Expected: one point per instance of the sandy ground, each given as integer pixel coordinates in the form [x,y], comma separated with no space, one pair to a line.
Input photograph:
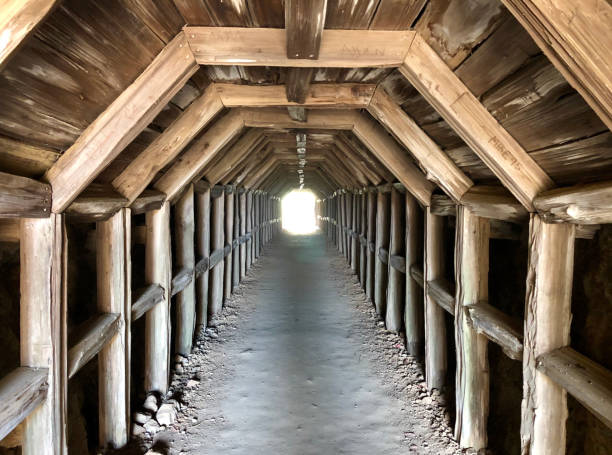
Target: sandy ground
[299,364]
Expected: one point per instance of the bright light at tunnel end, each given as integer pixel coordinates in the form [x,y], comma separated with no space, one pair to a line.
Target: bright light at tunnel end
[298,212]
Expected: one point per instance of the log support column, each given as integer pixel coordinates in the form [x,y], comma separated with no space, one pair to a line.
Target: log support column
[184,230]
[382,241]
[363,246]
[435,323]
[158,270]
[114,289]
[396,279]
[43,253]
[249,228]
[235,243]
[547,327]
[472,378]
[413,312]
[216,246]
[355,234]
[371,245]
[242,233]
[229,236]
[202,213]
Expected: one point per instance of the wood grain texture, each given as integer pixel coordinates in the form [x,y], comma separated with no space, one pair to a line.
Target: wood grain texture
[149,199]
[146,298]
[382,241]
[458,106]
[339,48]
[96,203]
[25,160]
[24,197]
[21,391]
[121,122]
[202,249]
[239,151]
[550,270]
[413,310]
[394,316]
[498,327]
[581,204]
[141,171]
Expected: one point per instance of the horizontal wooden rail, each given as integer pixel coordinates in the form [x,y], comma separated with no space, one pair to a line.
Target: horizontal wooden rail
[398,263]
[94,334]
[585,380]
[417,275]
[201,267]
[21,391]
[181,280]
[145,299]
[383,255]
[498,327]
[441,291]
[216,257]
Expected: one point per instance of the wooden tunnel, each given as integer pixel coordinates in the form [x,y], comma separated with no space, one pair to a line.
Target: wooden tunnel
[180,124]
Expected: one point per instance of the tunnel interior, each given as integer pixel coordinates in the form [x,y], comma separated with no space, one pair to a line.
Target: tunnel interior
[358,226]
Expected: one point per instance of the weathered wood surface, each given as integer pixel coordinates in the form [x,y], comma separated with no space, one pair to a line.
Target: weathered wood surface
[158,269]
[93,335]
[394,316]
[339,48]
[229,237]
[181,280]
[382,241]
[472,374]
[241,149]
[439,167]
[495,203]
[581,204]
[149,199]
[394,158]
[96,203]
[324,119]
[217,236]
[413,311]
[587,381]
[577,41]
[202,245]
[146,298]
[114,296]
[370,239]
[43,259]
[416,273]
[9,230]
[141,171]
[23,197]
[476,126]
[18,21]
[121,122]
[498,327]
[547,327]
[21,391]
[443,293]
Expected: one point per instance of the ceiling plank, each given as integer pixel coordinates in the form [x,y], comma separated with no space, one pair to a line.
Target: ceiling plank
[18,20]
[339,48]
[191,163]
[476,126]
[348,95]
[141,171]
[576,38]
[298,84]
[437,164]
[394,158]
[121,122]
[233,156]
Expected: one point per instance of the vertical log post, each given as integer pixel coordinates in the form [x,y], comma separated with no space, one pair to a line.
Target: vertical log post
[435,324]
[217,236]
[257,231]
[348,204]
[395,288]
[229,235]
[371,245]
[382,241]
[472,378]
[184,230]
[158,269]
[363,214]
[114,288]
[243,231]
[342,216]
[249,229]
[413,313]
[355,235]
[235,242]
[202,210]
[43,253]
[547,327]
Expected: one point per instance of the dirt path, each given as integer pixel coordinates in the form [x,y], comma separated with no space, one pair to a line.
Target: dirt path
[301,366]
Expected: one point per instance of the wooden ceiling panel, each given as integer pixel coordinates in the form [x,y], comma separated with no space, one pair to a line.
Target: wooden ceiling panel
[232,13]
[350,14]
[161,16]
[270,13]
[195,12]
[396,14]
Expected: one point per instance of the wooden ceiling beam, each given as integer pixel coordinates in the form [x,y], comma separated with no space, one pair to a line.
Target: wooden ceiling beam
[23,197]
[18,20]
[233,156]
[167,146]
[428,73]
[341,95]
[121,122]
[304,23]
[576,38]
[437,164]
[350,153]
[189,165]
[324,119]
[339,48]
[394,158]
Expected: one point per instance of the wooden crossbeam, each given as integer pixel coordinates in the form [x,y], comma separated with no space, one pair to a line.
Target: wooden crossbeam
[328,119]
[18,20]
[428,73]
[439,167]
[576,38]
[121,122]
[145,299]
[498,327]
[96,203]
[339,48]
[238,152]
[23,197]
[141,171]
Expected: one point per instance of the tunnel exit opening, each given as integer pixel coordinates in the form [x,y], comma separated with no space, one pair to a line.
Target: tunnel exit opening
[298,212]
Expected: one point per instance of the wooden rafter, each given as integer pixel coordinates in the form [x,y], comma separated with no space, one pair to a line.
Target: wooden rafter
[121,122]
[230,159]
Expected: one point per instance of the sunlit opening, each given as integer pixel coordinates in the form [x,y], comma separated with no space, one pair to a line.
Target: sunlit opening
[299,212]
